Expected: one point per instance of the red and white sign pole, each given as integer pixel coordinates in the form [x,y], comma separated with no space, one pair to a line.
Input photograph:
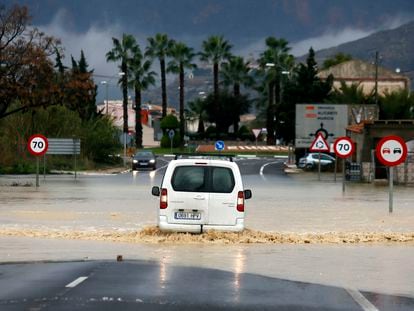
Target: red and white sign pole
[344,147]
[37,146]
[391,151]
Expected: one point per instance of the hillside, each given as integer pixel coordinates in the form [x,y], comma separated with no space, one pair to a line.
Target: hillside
[395,47]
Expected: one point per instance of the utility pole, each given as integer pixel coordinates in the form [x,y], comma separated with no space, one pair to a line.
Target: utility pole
[376,78]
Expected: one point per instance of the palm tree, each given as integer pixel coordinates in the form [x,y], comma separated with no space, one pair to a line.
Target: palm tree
[123,51]
[237,73]
[182,57]
[215,49]
[159,47]
[197,111]
[277,56]
[141,78]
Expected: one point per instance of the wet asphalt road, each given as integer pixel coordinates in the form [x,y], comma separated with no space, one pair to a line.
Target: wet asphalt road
[143,285]
[157,285]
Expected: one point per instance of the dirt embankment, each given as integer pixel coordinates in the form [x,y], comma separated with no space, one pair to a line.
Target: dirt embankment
[153,235]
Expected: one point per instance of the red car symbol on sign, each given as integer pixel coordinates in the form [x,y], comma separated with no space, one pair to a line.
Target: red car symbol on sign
[386,150]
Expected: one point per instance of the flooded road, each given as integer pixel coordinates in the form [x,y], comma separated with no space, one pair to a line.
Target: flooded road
[281,203]
[298,228]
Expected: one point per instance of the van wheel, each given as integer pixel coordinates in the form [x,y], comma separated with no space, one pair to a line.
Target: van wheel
[309,166]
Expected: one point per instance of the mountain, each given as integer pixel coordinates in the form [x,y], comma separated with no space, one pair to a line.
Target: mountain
[395,47]
[243,22]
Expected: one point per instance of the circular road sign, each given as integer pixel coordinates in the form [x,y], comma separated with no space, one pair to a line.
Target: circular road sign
[37,145]
[344,147]
[171,134]
[391,150]
[219,145]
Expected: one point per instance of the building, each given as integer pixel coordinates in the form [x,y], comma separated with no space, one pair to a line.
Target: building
[362,73]
[149,115]
[367,134]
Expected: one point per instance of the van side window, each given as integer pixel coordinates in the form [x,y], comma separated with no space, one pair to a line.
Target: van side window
[222,180]
[189,179]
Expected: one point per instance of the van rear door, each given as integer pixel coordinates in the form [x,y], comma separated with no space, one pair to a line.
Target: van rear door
[222,204]
[188,198]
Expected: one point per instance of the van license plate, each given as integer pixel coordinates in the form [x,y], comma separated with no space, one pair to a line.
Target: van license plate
[187,215]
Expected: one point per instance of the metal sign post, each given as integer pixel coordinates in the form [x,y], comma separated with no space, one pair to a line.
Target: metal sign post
[319,166]
[391,189]
[256,133]
[343,176]
[344,147]
[336,166]
[37,146]
[37,172]
[171,134]
[319,144]
[391,151]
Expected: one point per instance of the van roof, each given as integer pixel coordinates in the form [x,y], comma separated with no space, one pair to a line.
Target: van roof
[211,156]
[202,161]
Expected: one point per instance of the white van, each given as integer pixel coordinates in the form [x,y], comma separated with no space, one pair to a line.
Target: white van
[198,194]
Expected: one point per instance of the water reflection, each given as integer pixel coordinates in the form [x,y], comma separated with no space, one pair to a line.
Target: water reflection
[239,269]
[163,272]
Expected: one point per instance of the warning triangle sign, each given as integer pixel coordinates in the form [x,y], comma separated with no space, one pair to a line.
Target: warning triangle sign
[319,144]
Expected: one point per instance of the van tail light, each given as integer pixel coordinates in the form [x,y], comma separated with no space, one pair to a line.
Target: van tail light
[240,201]
[163,199]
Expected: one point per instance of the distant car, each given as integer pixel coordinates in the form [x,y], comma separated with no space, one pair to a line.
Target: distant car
[310,161]
[386,150]
[397,150]
[144,159]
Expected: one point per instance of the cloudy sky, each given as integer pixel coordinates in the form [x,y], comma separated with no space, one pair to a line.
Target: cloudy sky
[90,24]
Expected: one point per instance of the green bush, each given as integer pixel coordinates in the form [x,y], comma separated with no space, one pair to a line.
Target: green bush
[166,142]
[169,122]
[211,132]
[245,134]
[99,139]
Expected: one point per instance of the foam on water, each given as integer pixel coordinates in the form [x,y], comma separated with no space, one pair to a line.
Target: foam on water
[152,235]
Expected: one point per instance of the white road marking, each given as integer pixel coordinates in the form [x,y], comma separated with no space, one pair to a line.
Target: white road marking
[264,165]
[361,300]
[77,281]
[160,168]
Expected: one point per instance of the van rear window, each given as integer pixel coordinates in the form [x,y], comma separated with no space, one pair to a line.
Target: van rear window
[203,179]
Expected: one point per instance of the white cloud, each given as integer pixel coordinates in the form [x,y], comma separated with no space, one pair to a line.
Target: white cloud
[95,43]
[328,40]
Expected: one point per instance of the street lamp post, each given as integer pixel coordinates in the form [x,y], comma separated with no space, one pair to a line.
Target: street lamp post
[106,93]
[121,74]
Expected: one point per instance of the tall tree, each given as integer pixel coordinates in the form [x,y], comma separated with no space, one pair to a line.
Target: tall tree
[304,87]
[141,78]
[215,49]
[182,58]
[27,78]
[123,52]
[227,111]
[159,47]
[309,87]
[236,72]
[274,61]
[80,89]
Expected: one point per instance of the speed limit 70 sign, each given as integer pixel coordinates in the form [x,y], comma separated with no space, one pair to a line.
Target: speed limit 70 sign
[343,147]
[37,145]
